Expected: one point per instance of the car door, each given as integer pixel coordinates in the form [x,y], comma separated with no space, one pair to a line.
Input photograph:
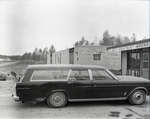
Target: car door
[104,85]
[79,84]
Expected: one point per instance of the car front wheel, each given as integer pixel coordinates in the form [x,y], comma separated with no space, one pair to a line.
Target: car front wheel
[57,99]
[137,97]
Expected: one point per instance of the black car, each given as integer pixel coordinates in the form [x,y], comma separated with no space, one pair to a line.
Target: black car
[59,84]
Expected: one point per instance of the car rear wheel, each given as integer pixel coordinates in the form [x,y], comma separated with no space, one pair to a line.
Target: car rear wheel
[57,99]
[137,97]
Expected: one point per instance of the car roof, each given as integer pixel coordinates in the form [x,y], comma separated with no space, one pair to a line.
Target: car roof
[67,66]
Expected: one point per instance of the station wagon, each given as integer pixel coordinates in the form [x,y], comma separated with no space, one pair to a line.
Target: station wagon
[59,84]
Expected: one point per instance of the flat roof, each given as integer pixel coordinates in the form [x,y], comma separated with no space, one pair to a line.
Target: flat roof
[104,46]
[131,43]
[73,66]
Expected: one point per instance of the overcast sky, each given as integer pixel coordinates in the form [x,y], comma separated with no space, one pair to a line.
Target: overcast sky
[27,24]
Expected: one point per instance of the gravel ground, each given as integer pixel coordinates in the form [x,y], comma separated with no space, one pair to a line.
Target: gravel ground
[85,110]
[101,110]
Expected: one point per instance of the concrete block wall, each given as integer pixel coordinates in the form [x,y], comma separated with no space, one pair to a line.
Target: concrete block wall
[84,55]
[110,60]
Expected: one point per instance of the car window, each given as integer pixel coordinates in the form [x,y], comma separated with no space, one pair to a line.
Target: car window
[79,75]
[101,75]
[50,75]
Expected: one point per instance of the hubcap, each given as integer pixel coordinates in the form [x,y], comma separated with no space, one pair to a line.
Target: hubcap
[57,99]
[138,97]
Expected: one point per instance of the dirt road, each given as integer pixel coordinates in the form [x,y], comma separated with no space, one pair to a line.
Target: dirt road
[7,63]
[102,110]
[18,66]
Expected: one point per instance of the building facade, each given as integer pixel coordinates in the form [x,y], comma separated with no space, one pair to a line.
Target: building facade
[135,58]
[88,55]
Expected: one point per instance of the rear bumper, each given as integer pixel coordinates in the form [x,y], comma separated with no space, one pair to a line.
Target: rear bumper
[16,98]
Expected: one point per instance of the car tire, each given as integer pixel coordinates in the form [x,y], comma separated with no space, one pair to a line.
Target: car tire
[138,97]
[57,99]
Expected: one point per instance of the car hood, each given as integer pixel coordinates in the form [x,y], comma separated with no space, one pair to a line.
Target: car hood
[132,79]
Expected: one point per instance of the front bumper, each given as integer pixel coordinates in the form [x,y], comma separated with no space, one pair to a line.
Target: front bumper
[16,98]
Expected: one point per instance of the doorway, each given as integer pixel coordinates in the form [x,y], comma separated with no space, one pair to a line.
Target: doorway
[145,65]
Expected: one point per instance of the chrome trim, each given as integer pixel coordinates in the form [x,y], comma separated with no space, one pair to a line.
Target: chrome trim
[31,77]
[90,74]
[97,99]
[137,89]
[68,78]
[47,80]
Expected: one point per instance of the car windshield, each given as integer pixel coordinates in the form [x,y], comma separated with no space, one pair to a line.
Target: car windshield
[113,75]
